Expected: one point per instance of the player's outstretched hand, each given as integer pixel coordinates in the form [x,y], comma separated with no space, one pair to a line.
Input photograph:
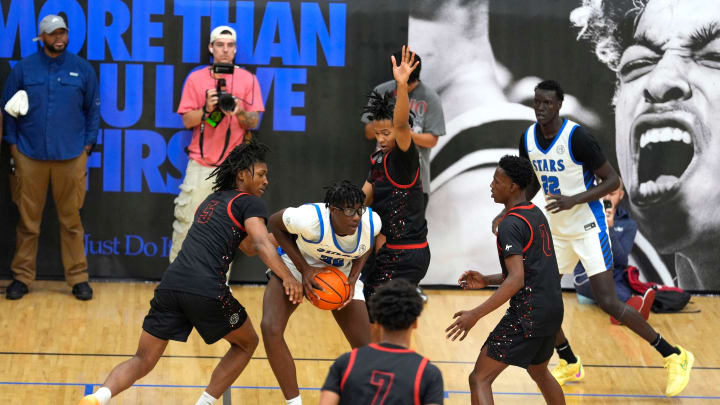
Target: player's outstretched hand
[464,321]
[559,202]
[293,289]
[472,280]
[402,70]
[308,281]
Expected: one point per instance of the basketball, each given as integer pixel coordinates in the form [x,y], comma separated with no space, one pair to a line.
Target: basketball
[336,291]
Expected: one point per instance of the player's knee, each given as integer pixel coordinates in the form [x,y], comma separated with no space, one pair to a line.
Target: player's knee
[252,342]
[478,378]
[270,328]
[609,304]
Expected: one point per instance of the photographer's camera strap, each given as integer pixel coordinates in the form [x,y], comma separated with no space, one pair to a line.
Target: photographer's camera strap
[202,142]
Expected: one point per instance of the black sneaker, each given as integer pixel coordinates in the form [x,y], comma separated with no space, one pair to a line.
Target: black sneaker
[16,290]
[82,291]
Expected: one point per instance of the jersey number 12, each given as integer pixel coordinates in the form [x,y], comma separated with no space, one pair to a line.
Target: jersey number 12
[551,184]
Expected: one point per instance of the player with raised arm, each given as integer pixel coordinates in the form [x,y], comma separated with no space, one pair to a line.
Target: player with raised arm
[393,187]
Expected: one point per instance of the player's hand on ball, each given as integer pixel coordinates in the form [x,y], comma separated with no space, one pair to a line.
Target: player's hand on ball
[293,289]
[464,321]
[308,280]
[472,280]
[559,203]
[351,287]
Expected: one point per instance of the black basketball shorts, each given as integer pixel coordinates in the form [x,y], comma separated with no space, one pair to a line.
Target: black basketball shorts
[509,344]
[409,264]
[173,314]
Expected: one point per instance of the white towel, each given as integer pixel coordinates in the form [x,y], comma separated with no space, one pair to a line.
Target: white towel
[18,104]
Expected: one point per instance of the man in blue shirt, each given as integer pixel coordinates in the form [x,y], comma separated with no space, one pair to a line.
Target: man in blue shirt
[50,145]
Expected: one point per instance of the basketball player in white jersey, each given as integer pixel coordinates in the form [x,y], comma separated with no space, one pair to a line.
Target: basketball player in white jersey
[567,160]
[340,233]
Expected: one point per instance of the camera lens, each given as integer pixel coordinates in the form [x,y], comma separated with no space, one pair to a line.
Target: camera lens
[226,102]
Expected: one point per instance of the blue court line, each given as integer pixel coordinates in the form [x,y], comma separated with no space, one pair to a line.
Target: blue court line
[712,368]
[89,390]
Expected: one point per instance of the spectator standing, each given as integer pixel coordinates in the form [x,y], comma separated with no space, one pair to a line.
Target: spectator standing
[216,131]
[49,145]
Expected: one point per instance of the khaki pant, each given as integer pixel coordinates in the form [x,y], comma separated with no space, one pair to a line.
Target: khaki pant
[29,186]
[193,191]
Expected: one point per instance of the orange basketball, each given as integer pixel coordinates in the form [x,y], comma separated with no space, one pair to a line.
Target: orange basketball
[335,293]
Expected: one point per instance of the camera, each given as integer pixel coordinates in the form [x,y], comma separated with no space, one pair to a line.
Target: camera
[607,204]
[225,100]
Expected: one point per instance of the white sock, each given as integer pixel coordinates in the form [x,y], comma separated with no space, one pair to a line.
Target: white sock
[294,401]
[103,395]
[205,399]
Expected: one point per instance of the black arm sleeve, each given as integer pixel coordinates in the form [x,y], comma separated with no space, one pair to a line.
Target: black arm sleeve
[513,235]
[335,375]
[403,165]
[586,150]
[522,150]
[433,391]
[249,206]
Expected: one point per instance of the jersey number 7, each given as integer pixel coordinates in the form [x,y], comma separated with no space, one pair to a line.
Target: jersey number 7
[383,381]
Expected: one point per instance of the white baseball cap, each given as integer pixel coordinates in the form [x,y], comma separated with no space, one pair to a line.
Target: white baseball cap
[217,33]
[50,23]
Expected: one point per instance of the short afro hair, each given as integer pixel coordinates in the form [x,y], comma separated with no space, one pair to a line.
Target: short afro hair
[551,85]
[396,305]
[519,170]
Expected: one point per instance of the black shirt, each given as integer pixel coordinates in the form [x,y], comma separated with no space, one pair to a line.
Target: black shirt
[524,231]
[584,147]
[398,194]
[385,374]
[211,243]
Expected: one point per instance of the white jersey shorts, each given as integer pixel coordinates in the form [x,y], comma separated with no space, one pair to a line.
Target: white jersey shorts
[593,251]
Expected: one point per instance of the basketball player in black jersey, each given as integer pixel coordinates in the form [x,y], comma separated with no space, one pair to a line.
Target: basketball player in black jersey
[525,336]
[393,188]
[388,372]
[193,292]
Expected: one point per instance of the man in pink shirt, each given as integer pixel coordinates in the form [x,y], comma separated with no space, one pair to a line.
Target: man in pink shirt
[210,143]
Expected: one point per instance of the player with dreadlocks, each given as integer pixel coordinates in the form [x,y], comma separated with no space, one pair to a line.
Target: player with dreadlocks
[393,187]
[193,292]
[340,233]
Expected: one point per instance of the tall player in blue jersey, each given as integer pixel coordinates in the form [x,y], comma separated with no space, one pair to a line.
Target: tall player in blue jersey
[339,232]
[567,160]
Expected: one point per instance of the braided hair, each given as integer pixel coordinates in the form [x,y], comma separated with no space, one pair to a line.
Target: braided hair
[396,305]
[382,107]
[343,194]
[519,170]
[243,157]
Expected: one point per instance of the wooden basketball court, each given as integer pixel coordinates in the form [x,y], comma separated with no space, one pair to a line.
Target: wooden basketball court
[55,349]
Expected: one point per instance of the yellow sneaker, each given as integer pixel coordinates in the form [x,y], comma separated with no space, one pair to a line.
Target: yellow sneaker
[565,372]
[678,371]
[89,400]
